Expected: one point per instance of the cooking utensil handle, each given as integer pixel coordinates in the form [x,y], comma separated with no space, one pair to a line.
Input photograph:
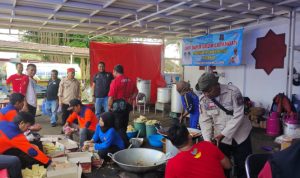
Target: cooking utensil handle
[137,136]
[110,155]
[130,146]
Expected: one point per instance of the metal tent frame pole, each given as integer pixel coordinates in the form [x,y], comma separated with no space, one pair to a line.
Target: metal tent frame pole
[289,88]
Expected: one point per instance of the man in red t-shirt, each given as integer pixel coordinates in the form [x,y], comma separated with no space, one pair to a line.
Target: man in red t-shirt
[203,159]
[19,80]
[121,88]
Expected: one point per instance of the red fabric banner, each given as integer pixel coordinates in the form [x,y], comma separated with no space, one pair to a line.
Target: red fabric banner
[139,61]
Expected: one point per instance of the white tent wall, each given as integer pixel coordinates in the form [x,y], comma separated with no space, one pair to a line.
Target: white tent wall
[260,86]
[255,83]
[296,89]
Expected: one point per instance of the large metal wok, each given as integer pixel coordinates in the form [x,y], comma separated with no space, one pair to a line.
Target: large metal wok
[139,159]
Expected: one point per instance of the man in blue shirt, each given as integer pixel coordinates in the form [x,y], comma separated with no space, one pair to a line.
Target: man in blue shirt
[52,98]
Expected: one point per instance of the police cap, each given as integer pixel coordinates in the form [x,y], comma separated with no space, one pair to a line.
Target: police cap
[206,80]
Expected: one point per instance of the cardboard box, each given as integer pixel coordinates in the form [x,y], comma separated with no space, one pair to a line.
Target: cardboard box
[52,150]
[84,158]
[67,144]
[74,171]
[52,138]
[56,154]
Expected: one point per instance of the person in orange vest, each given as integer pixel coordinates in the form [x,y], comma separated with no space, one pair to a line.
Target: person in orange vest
[13,141]
[87,120]
[16,103]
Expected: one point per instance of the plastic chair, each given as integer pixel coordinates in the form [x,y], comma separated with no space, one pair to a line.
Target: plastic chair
[141,101]
[254,164]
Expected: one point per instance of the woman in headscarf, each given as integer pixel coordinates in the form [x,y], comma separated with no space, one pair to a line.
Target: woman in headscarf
[106,139]
[190,102]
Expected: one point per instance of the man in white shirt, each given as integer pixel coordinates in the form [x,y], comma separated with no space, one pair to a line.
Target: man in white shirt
[31,99]
[223,120]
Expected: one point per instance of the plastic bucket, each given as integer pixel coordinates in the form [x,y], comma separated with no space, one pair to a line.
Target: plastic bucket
[155,140]
[273,124]
[140,127]
[132,134]
[291,130]
[150,130]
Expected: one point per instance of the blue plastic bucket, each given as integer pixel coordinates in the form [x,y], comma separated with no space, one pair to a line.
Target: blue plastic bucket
[155,140]
[150,130]
[132,134]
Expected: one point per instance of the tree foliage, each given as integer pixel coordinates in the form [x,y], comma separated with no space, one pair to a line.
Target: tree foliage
[63,39]
[72,40]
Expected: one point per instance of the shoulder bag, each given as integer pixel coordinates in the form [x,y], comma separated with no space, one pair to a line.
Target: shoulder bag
[120,105]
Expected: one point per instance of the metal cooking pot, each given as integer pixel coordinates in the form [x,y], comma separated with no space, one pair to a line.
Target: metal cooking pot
[139,159]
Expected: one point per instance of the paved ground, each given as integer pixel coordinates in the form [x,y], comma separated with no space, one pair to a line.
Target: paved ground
[259,140]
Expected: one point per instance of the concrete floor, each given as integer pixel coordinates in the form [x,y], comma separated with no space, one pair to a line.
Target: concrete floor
[259,140]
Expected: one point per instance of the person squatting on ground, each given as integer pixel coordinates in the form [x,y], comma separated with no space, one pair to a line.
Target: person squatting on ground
[106,139]
[87,120]
[13,141]
[16,103]
[203,159]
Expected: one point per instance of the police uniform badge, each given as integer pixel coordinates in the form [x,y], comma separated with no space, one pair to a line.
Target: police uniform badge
[211,108]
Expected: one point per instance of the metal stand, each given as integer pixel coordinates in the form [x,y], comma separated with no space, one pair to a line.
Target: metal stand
[162,107]
[174,115]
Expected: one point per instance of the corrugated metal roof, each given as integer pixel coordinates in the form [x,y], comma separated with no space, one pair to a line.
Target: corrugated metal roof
[158,18]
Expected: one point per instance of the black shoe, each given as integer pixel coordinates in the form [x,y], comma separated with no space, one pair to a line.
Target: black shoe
[53,125]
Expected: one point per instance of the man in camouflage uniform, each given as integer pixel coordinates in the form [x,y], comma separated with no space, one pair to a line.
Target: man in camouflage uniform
[228,126]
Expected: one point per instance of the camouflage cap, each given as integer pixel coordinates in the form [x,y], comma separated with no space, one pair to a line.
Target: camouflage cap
[206,80]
